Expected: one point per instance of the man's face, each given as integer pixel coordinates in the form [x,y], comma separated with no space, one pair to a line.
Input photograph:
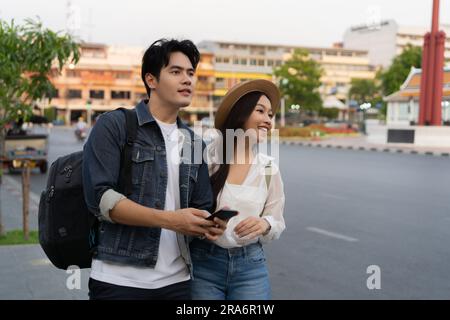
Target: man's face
[176,81]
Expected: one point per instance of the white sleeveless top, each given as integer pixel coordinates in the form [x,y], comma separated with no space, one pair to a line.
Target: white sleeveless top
[251,199]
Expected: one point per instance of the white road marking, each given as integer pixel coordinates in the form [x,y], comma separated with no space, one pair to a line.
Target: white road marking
[40,262]
[332,234]
[329,195]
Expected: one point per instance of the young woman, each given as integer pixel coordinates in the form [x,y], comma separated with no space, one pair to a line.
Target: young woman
[234,266]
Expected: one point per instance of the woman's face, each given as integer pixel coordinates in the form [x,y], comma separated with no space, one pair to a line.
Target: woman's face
[260,120]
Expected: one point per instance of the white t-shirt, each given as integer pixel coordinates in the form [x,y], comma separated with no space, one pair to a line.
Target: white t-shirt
[170,267]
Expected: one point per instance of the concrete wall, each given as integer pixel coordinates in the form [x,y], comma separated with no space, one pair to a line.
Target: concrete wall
[424,136]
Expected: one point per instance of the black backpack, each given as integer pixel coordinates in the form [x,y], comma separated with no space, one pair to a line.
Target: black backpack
[67,230]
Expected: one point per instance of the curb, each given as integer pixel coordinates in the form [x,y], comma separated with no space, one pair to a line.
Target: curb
[367,148]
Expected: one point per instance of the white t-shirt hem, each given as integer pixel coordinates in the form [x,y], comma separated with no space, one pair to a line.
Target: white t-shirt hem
[137,284]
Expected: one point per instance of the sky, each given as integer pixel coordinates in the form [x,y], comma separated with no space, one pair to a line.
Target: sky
[285,22]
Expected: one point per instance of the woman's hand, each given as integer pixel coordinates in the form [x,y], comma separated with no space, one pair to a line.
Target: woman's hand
[252,227]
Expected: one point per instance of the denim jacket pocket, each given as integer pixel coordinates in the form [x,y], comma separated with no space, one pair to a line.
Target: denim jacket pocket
[193,177]
[142,159]
[193,174]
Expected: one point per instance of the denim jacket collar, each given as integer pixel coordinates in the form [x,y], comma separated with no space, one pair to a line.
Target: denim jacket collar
[144,115]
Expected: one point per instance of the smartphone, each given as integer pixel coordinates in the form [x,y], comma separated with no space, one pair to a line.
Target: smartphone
[223,214]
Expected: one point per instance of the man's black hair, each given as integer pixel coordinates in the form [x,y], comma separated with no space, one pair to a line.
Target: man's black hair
[157,56]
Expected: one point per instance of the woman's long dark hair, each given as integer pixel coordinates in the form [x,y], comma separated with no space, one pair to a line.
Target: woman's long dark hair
[236,119]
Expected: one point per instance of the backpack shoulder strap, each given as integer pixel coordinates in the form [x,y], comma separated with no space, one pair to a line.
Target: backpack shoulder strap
[131,125]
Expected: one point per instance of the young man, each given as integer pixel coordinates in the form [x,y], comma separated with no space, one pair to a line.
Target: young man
[142,250]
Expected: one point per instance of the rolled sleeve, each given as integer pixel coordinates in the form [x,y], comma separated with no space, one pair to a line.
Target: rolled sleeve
[108,201]
[101,163]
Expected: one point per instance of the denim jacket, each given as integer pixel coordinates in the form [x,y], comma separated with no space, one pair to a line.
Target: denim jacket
[130,245]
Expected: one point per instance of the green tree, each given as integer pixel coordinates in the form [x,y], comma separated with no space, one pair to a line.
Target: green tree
[363,90]
[28,53]
[396,74]
[299,80]
[329,113]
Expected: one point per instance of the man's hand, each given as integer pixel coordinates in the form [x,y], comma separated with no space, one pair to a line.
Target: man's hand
[217,230]
[251,227]
[191,222]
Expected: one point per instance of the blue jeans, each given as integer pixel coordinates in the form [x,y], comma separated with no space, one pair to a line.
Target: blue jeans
[229,274]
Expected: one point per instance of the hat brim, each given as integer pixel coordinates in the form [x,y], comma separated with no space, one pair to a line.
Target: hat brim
[238,91]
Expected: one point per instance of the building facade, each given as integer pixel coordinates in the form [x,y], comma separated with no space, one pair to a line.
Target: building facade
[235,62]
[108,77]
[105,78]
[387,39]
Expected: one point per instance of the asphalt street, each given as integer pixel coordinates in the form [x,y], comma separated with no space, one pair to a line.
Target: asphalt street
[346,212]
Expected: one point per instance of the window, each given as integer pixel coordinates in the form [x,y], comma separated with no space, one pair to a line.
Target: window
[226,60]
[96,94]
[403,112]
[74,94]
[55,94]
[278,63]
[120,94]
[244,62]
[235,61]
[93,52]
[270,62]
[97,73]
[219,59]
[257,50]
[123,75]
[260,62]
[253,62]
[73,73]
[220,83]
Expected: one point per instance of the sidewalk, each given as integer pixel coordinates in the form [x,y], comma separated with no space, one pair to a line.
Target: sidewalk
[361,143]
[11,204]
[25,271]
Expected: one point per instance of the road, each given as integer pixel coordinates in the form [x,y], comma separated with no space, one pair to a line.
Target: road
[347,210]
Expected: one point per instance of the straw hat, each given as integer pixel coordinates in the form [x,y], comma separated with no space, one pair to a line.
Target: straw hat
[238,91]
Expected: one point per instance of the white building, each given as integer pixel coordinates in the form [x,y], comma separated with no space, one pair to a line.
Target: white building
[387,39]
